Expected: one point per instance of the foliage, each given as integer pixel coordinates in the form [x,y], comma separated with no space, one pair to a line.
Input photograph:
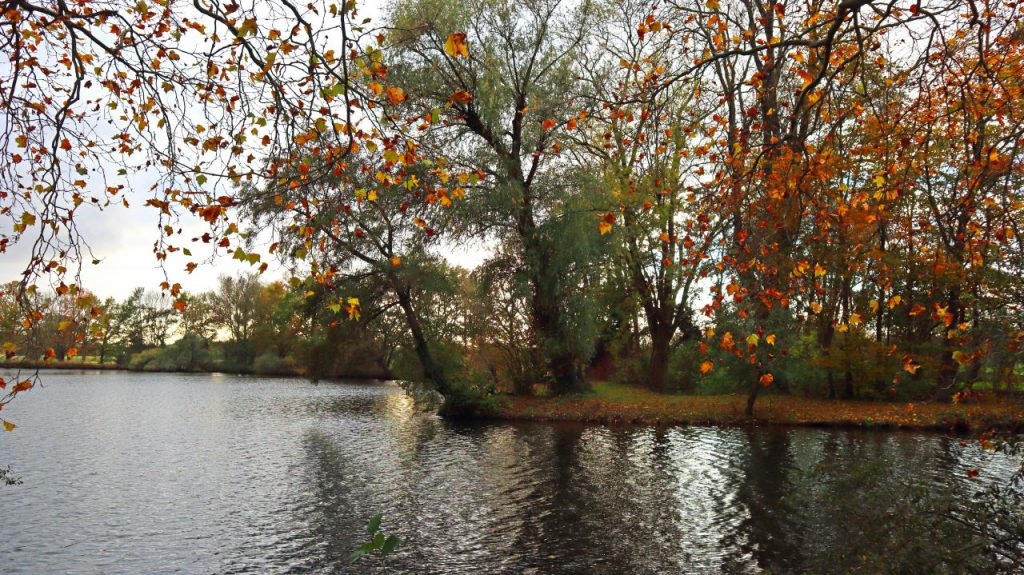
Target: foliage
[380,544]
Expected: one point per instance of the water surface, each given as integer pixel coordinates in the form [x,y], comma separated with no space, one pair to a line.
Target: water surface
[162,473]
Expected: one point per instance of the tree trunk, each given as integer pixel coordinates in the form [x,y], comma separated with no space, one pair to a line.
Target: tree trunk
[755,389]
[432,372]
[657,370]
[547,323]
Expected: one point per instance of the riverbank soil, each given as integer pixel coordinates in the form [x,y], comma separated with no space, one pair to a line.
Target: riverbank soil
[616,403]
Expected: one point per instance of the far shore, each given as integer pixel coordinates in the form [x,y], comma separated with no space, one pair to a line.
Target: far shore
[74,366]
[610,403]
[617,404]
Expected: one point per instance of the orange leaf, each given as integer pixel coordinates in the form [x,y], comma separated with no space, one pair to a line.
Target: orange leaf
[706,366]
[395,95]
[461,97]
[766,380]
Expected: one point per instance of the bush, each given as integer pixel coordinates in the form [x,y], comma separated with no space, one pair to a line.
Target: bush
[190,353]
[267,363]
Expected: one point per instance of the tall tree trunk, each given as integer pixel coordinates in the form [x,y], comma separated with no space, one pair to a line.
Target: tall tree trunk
[657,370]
[432,372]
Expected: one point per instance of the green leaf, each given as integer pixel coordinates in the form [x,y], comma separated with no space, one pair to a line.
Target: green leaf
[390,544]
[374,525]
[364,549]
[378,540]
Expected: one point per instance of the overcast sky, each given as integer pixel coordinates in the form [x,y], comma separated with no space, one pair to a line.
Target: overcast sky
[123,240]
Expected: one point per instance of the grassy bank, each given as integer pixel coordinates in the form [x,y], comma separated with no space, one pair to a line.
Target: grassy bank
[621,404]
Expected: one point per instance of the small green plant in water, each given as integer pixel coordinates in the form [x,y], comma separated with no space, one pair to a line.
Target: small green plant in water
[379,545]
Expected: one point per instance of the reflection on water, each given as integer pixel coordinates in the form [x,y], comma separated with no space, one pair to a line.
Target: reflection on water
[156,473]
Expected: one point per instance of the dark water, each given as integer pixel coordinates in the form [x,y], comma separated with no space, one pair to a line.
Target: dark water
[140,473]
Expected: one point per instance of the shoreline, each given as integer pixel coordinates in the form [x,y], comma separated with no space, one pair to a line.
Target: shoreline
[612,404]
[69,366]
[623,405]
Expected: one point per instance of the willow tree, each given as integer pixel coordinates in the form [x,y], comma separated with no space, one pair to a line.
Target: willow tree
[500,76]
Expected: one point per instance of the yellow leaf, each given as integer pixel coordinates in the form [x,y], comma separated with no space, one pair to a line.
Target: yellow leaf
[855,319]
[372,195]
[753,339]
[770,339]
[604,228]
[815,307]
[894,301]
[873,304]
[9,426]
[456,46]
[706,366]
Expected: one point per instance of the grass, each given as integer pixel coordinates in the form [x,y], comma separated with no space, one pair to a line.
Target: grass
[624,404]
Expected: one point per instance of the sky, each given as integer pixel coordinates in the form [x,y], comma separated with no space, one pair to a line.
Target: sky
[122,239]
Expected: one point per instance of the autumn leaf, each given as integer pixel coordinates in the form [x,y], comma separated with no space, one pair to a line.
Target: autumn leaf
[909,366]
[604,227]
[766,380]
[727,341]
[72,352]
[353,308]
[396,261]
[395,95]
[456,47]
[9,426]
[547,124]
[461,97]
[706,366]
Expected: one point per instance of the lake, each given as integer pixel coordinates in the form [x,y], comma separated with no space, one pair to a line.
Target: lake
[171,473]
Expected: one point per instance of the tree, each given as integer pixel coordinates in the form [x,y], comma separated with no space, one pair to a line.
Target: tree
[235,306]
[501,77]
